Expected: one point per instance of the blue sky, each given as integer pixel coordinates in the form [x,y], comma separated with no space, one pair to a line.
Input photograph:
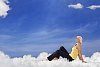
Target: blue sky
[35,26]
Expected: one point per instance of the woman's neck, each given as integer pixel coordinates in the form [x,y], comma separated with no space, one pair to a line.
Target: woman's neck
[78,42]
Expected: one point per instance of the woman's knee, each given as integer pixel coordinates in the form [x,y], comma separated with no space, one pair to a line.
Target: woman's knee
[57,51]
[61,47]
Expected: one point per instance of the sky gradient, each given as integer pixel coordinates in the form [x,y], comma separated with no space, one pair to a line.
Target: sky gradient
[35,26]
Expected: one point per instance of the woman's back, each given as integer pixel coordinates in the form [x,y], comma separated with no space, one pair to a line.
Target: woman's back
[74,52]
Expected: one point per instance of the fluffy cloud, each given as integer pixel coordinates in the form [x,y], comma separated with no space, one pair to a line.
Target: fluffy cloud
[4,8]
[40,61]
[93,7]
[76,6]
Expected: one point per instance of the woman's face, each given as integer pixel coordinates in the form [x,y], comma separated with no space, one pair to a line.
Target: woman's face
[78,40]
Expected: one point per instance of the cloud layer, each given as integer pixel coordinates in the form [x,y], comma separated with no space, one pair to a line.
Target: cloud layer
[4,8]
[40,61]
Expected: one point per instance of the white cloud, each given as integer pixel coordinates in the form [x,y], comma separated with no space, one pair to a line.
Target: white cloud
[40,61]
[4,8]
[93,7]
[76,6]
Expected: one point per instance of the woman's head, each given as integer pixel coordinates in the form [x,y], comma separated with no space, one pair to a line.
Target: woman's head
[79,39]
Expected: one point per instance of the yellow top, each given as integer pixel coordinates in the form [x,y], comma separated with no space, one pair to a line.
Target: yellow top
[74,53]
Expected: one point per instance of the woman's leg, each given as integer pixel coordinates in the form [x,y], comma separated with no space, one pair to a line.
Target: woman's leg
[63,49]
[61,52]
[65,55]
[54,55]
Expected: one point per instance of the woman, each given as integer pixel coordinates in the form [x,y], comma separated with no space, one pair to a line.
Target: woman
[76,51]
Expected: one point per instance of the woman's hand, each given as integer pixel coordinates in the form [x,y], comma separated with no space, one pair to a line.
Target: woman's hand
[84,61]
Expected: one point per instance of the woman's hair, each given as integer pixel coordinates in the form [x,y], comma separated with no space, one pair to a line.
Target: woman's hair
[80,37]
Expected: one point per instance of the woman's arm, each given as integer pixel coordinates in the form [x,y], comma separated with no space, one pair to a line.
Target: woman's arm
[80,53]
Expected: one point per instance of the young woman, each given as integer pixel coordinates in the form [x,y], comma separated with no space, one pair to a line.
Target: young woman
[76,51]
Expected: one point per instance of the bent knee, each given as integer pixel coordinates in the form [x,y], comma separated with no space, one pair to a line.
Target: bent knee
[61,47]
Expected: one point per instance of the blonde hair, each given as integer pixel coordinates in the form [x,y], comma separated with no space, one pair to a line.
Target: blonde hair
[80,37]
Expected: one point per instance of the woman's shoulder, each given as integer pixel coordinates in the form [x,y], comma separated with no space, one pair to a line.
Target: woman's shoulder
[78,46]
